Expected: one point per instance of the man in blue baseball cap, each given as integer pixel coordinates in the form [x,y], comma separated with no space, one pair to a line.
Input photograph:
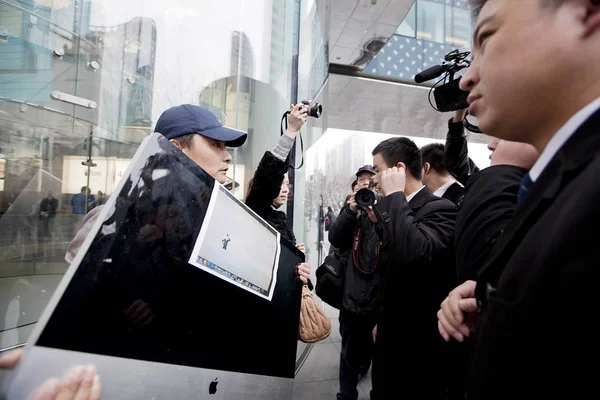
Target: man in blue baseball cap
[199,134]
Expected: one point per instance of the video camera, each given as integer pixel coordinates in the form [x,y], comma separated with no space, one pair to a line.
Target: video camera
[449,96]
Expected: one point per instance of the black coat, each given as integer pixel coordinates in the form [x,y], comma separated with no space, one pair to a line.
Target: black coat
[455,193]
[536,334]
[489,204]
[266,187]
[422,271]
[362,289]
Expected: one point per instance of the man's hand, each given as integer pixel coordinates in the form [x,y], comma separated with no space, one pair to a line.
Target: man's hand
[352,204]
[139,313]
[9,359]
[458,314]
[79,383]
[296,119]
[393,180]
[459,115]
[301,247]
[303,272]
[514,153]
[371,213]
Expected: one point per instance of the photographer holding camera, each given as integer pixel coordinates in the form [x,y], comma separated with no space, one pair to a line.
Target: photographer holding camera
[364,257]
[419,230]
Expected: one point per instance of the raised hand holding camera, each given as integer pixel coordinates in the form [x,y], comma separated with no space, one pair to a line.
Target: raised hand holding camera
[393,180]
[296,118]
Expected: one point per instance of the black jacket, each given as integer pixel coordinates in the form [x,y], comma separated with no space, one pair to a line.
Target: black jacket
[455,193]
[536,335]
[362,291]
[265,187]
[489,204]
[456,153]
[422,271]
[48,206]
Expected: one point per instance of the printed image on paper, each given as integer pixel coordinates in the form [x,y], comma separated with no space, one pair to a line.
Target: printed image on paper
[236,245]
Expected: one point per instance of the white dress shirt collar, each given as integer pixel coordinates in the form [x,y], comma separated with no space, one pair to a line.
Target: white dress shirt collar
[561,137]
[412,195]
[441,191]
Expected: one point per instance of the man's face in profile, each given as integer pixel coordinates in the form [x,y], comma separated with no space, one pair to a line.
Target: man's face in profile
[523,54]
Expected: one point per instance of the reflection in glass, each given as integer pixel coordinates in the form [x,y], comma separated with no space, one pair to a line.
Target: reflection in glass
[134,58]
[430,21]
[408,27]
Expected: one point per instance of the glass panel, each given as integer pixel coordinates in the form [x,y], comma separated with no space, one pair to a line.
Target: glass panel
[430,21]
[408,27]
[459,28]
[313,67]
[126,62]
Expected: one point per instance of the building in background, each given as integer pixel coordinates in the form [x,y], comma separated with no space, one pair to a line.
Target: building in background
[430,30]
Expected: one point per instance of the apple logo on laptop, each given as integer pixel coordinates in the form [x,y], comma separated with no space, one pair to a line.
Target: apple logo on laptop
[212,388]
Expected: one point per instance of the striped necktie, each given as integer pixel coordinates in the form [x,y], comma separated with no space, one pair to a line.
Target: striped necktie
[524,187]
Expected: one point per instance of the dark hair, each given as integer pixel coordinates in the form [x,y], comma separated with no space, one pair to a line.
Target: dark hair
[477,5]
[434,155]
[83,188]
[354,184]
[401,149]
[185,141]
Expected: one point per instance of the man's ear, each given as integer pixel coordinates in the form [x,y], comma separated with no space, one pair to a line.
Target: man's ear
[176,144]
[426,168]
[592,17]
[401,165]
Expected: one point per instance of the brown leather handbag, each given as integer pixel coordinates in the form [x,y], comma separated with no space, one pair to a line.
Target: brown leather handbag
[314,324]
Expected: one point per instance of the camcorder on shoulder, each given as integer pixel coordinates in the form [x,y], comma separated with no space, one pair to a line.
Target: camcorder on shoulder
[449,96]
[366,197]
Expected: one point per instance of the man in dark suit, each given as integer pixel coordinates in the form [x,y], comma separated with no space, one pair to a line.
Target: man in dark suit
[436,176]
[535,301]
[48,208]
[419,228]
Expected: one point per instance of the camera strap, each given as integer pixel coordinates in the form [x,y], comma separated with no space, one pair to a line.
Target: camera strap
[358,235]
[284,120]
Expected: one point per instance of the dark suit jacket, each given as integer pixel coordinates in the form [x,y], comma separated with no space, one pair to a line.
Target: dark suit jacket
[536,335]
[455,193]
[489,204]
[422,271]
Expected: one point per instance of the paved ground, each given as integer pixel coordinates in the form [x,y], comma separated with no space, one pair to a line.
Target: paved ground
[318,378]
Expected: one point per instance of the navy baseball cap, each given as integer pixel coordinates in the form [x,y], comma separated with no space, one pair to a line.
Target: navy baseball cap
[366,168]
[188,118]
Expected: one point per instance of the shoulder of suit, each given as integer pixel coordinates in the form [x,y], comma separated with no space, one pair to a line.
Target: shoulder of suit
[436,203]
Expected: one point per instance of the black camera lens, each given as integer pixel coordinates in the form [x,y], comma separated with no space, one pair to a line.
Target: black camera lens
[365,197]
[314,109]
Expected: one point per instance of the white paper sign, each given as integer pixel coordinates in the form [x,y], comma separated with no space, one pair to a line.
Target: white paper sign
[238,246]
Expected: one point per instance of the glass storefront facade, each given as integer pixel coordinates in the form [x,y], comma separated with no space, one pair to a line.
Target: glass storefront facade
[82,82]
[430,30]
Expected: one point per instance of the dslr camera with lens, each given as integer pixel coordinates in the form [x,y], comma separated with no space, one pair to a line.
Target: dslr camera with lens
[314,109]
[366,197]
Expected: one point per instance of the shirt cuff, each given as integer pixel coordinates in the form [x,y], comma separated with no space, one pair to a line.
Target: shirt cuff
[283,147]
